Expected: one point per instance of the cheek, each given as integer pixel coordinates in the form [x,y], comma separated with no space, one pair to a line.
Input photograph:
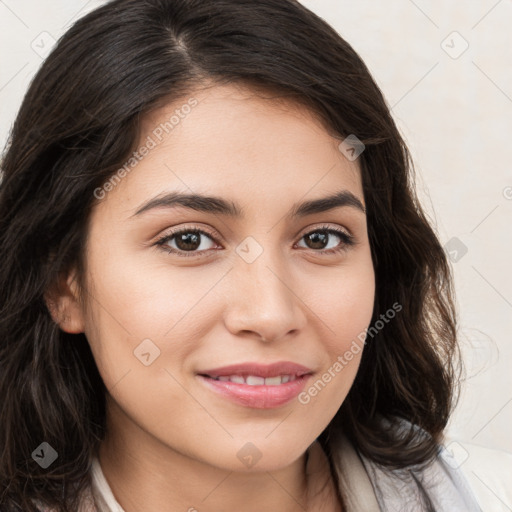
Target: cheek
[346,311]
[144,376]
[353,311]
[146,299]
[345,305]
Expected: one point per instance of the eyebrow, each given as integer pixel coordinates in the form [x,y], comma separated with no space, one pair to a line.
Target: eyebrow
[218,205]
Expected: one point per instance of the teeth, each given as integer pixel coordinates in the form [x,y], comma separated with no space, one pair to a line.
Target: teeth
[250,380]
[253,380]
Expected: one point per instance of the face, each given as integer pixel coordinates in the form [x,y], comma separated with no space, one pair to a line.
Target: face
[211,320]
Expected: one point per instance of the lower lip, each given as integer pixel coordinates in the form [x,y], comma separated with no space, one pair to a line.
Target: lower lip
[257,397]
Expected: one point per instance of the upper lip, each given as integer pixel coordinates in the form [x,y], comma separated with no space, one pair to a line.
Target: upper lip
[259,370]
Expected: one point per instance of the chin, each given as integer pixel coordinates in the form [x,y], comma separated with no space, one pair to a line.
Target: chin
[258,454]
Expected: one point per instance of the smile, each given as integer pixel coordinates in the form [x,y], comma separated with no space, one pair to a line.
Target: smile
[255,385]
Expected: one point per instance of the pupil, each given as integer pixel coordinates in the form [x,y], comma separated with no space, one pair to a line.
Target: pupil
[186,239]
[318,238]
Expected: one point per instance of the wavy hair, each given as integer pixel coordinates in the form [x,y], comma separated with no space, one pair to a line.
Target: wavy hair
[79,121]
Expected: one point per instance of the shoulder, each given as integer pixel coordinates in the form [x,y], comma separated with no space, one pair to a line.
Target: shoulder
[488,471]
[437,485]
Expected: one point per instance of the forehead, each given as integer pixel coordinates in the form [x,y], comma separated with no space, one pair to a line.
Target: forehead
[230,141]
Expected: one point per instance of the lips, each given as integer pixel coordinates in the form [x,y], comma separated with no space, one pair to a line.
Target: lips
[255,385]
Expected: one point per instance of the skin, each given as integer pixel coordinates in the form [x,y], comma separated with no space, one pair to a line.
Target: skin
[171,440]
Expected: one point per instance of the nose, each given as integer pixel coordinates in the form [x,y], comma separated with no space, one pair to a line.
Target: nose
[263,299]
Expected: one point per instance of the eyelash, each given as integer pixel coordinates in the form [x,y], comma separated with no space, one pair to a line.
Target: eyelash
[347,241]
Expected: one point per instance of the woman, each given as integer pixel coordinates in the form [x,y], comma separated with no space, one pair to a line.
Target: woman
[219,291]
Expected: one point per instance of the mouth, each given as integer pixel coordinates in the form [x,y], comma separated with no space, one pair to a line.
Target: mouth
[255,380]
[257,386]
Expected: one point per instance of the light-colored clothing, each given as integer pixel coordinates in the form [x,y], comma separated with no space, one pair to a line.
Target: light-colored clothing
[366,486]
[372,488]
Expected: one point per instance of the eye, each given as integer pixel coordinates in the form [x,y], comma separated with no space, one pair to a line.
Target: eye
[320,238]
[189,242]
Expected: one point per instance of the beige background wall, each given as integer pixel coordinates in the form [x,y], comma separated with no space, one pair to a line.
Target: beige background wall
[454,107]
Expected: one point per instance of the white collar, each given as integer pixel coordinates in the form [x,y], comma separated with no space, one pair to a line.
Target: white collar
[103,496]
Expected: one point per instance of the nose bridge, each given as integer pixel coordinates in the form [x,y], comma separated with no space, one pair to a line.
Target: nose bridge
[262,298]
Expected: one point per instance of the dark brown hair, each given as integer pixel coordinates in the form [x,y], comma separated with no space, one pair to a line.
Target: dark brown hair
[78,123]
